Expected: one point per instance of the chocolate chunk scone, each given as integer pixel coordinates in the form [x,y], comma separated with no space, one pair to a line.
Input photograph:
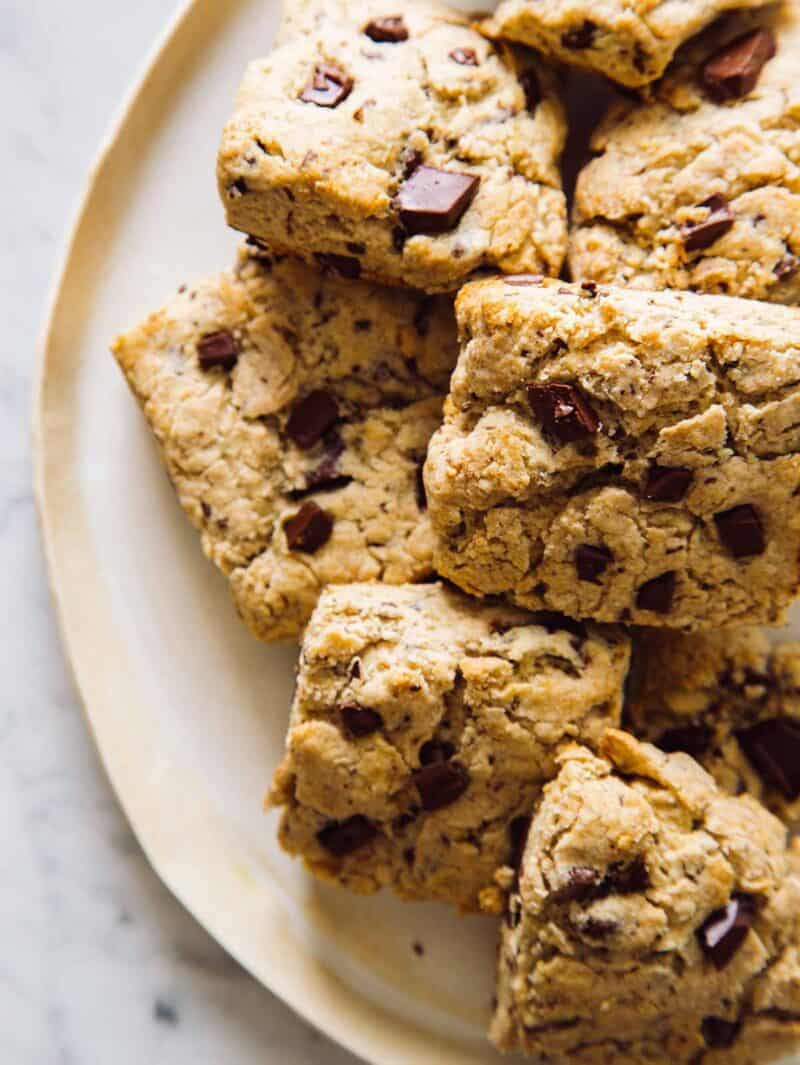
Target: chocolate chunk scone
[629,43]
[401,146]
[656,920]
[423,727]
[698,187]
[294,410]
[621,455]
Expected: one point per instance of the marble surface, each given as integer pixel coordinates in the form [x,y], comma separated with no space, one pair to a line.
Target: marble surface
[98,963]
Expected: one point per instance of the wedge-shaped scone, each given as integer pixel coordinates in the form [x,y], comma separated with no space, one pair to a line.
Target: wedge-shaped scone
[699,187]
[424,726]
[621,455]
[631,43]
[400,146]
[293,411]
[656,920]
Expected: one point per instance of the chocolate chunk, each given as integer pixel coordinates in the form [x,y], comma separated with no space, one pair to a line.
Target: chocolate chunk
[434,201]
[667,484]
[465,56]
[591,561]
[523,280]
[391,29]
[598,928]
[440,784]
[327,476]
[360,721]
[422,495]
[734,70]
[435,751]
[563,412]
[787,267]
[722,934]
[627,878]
[217,351]
[518,834]
[741,531]
[582,883]
[719,1033]
[341,838]
[773,747]
[719,221]
[311,418]
[657,594]
[529,81]
[327,87]
[580,37]
[589,288]
[691,739]
[309,529]
[344,265]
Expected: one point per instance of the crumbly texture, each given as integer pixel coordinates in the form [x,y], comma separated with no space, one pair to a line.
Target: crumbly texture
[656,165]
[604,956]
[674,503]
[461,708]
[381,356]
[323,180]
[629,42]
[731,701]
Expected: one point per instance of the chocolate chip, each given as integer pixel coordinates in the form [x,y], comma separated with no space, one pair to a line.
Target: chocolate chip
[217,351]
[722,934]
[529,81]
[691,739]
[589,288]
[582,883]
[327,87]
[563,412]
[465,56]
[518,833]
[719,221]
[311,418]
[341,838]
[434,201]
[344,265]
[773,747]
[667,484]
[734,70]
[580,37]
[523,280]
[627,878]
[309,529]
[657,594]
[360,721]
[741,531]
[719,1033]
[598,928]
[591,561]
[435,751]
[787,267]
[440,784]
[326,477]
[391,29]
[422,495]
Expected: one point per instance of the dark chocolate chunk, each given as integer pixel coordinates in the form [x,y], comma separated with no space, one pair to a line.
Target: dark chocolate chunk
[787,267]
[309,529]
[598,928]
[773,747]
[719,1033]
[741,531]
[328,86]
[434,201]
[419,485]
[391,29]
[657,594]
[436,751]
[591,561]
[523,280]
[627,878]
[582,884]
[341,838]
[667,484]
[719,221]
[217,351]
[691,739]
[465,56]
[360,721]
[440,784]
[563,412]
[311,418]
[326,477]
[344,265]
[580,37]
[734,70]
[530,86]
[724,931]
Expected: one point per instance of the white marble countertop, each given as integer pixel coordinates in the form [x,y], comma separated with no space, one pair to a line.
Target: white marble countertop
[98,964]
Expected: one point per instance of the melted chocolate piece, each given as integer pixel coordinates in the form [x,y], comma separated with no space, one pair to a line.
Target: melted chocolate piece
[441,784]
[341,838]
[218,351]
[667,484]
[311,418]
[328,86]
[390,29]
[344,265]
[719,221]
[773,747]
[360,721]
[724,931]
[734,70]
[591,561]
[741,531]
[563,412]
[719,1033]
[580,37]
[309,529]
[657,594]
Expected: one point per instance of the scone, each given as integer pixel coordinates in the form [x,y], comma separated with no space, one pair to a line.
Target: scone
[402,147]
[293,411]
[656,920]
[621,455]
[423,727]
[728,699]
[631,43]
[699,187]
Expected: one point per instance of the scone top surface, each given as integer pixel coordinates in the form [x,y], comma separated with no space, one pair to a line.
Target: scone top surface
[621,455]
[656,918]
[425,152]
[423,727]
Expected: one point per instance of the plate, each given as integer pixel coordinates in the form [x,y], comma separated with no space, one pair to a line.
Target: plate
[189,713]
